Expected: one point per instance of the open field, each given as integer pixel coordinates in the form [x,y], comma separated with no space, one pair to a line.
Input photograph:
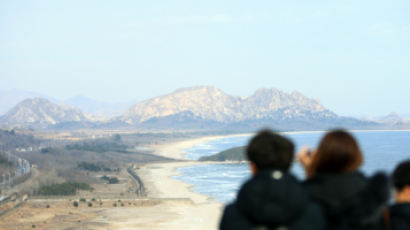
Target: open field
[170,204]
[166,203]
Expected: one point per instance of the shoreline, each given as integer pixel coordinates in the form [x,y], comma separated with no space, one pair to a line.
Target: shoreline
[202,211]
[177,150]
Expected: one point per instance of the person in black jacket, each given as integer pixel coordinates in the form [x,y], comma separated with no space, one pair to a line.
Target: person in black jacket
[350,200]
[272,198]
[398,216]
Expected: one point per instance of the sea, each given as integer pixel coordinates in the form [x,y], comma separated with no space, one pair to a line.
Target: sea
[382,150]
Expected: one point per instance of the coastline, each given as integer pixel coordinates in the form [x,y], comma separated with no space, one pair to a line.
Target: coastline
[183,208]
[204,212]
[170,203]
[177,150]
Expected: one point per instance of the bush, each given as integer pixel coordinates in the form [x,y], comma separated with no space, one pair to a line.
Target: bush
[46,150]
[93,199]
[5,161]
[75,203]
[90,204]
[47,206]
[64,189]
[110,180]
[113,180]
[115,205]
[93,167]
[83,200]
[99,147]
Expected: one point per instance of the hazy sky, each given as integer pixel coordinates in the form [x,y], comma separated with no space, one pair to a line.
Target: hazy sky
[352,55]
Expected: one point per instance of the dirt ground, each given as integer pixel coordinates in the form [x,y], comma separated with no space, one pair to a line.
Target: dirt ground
[62,214]
[170,204]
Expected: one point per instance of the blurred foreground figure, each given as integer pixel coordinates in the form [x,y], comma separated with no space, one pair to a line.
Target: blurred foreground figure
[272,198]
[398,216]
[350,200]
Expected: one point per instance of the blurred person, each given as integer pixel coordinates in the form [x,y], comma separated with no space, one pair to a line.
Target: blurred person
[349,199]
[397,216]
[272,198]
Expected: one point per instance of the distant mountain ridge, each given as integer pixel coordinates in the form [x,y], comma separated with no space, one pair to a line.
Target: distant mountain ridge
[210,103]
[207,103]
[237,154]
[193,108]
[41,113]
[10,98]
[102,110]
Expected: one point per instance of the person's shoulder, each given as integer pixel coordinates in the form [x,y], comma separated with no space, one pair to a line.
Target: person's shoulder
[313,217]
[232,218]
[400,216]
[331,177]
[401,210]
[335,183]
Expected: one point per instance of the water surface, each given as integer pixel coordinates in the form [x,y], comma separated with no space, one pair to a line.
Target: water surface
[382,151]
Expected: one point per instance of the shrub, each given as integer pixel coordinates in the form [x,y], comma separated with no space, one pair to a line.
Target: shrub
[46,150]
[90,204]
[47,206]
[115,205]
[99,147]
[75,203]
[113,180]
[83,200]
[5,161]
[64,189]
[110,180]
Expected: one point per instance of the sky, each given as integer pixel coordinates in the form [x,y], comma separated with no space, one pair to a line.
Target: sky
[352,55]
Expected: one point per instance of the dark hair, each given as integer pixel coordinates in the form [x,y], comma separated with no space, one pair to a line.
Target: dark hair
[270,150]
[401,175]
[338,152]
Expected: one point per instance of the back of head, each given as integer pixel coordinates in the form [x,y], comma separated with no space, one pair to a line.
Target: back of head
[338,152]
[270,150]
[401,175]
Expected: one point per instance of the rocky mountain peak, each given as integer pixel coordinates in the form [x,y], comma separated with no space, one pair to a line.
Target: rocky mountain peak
[205,102]
[42,112]
[210,103]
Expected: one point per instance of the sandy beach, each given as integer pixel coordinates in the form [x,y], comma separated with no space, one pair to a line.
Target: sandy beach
[181,208]
[184,209]
[177,150]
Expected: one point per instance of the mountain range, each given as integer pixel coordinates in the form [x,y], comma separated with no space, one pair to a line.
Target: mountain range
[10,98]
[210,103]
[42,113]
[194,108]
